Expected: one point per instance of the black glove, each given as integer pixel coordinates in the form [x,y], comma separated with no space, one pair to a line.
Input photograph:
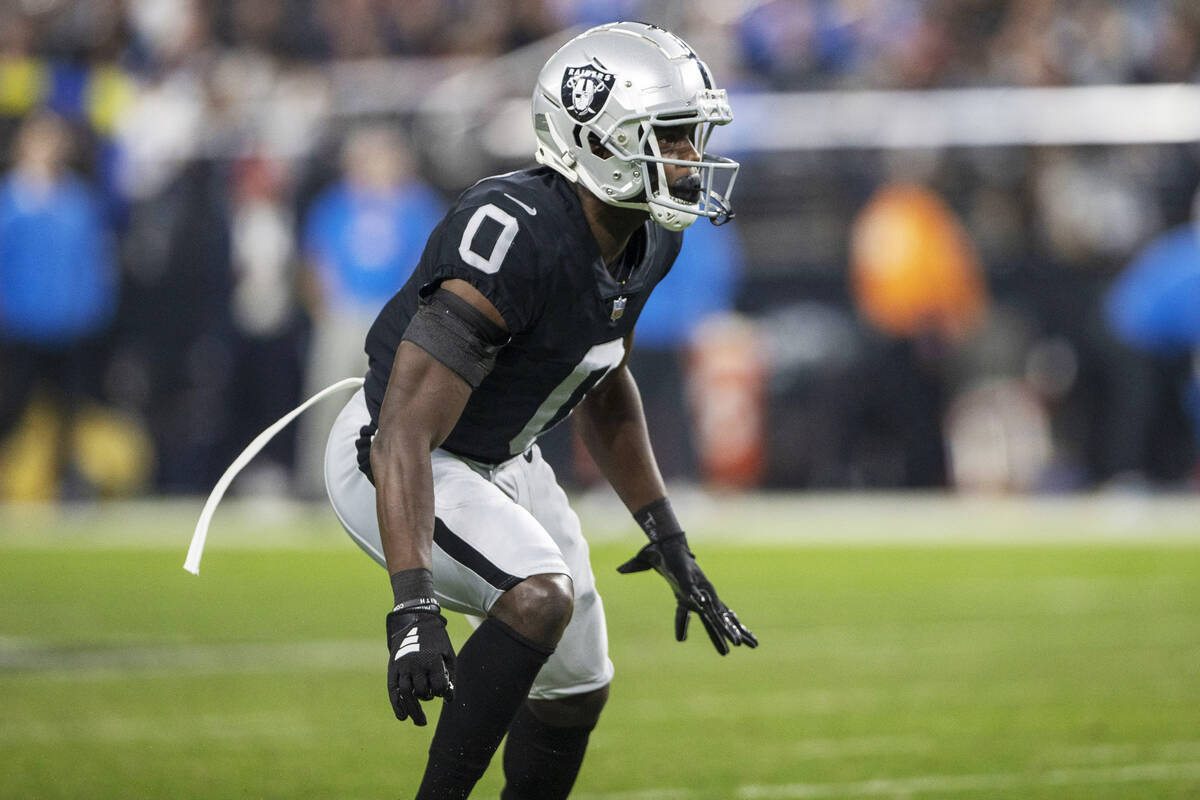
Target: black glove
[672,559]
[420,658]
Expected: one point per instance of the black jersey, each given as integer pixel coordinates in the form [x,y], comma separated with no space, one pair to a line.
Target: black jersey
[523,241]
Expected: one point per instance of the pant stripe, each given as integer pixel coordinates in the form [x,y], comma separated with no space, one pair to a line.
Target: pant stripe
[471,558]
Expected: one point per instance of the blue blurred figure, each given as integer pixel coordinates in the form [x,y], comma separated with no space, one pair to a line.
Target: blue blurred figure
[1154,308]
[362,238]
[58,278]
[1155,303]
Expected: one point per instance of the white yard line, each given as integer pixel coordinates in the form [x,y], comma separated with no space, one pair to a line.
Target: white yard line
[1116,752]
[910,787]
[953,784]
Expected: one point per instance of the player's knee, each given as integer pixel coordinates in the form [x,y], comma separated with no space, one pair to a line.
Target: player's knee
[538,607]
[574,711]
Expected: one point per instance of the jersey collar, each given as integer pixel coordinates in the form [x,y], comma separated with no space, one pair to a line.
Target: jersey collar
[609,287]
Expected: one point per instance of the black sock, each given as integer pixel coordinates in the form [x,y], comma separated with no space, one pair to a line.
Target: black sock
[540,760]
[495,669]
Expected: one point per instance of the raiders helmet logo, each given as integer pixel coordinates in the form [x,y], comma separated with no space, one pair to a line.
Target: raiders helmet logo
[585,91]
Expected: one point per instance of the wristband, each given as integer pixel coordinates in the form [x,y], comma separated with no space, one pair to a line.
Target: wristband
[413,587]
[658,520]
[421,605]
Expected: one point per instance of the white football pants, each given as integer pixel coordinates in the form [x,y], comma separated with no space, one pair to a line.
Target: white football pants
[494,527]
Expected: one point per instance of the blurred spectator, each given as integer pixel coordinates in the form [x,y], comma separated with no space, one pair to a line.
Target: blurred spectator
[58,282]
[915,272]
[266,320]
[1153,309]
[1155,304]
[176,336]
[362,239]
[916,278]
[21,75]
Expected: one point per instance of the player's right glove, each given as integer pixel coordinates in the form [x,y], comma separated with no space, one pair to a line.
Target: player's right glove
[420,657]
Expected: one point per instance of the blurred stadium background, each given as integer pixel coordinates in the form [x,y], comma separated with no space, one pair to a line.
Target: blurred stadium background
[935,200]
[966,261]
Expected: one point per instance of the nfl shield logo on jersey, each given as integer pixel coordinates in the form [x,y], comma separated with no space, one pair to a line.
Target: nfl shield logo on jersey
[618,309]
[585,91]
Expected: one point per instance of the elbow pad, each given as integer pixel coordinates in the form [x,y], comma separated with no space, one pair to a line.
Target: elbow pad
[457,335]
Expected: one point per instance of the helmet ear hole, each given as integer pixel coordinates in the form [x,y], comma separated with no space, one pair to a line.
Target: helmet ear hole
[598,150]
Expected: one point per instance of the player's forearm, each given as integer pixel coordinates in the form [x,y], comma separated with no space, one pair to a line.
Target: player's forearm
[404,501]
[613,427]
[423,401]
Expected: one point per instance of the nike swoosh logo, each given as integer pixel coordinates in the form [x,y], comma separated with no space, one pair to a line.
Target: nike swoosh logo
[532,211]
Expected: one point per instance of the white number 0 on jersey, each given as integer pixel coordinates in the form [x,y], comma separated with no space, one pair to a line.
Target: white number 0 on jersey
[488,262]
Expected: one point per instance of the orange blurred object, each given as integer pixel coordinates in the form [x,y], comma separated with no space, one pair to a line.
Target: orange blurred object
[727,383]
[914,271]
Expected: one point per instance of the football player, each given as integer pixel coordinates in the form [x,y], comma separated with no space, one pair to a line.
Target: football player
[522,310]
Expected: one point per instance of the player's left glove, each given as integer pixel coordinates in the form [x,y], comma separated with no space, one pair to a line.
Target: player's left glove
[669,555]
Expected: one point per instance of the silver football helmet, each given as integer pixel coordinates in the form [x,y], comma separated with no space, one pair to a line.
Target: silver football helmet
[613,85]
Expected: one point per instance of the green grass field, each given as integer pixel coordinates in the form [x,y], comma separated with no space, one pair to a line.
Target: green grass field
[1055,666]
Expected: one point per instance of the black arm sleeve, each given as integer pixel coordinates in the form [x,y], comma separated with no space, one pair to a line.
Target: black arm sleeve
[457,335]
